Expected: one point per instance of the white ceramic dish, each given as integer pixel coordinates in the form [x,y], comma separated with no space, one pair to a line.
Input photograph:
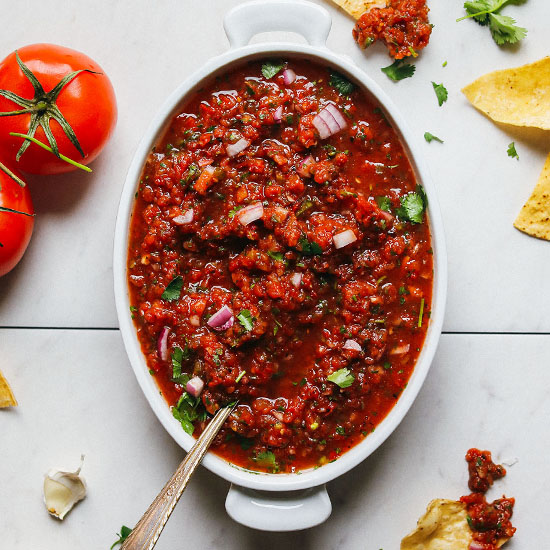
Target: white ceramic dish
[277,502]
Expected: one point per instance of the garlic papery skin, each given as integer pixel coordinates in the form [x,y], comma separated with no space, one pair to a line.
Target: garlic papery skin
[62,490]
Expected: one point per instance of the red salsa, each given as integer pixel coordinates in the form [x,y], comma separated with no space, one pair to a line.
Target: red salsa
[280,255]
[403,26]
[489,521]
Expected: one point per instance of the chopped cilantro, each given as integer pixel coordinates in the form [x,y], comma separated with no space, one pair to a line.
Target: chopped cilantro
[271,68]
[266,459]
[309,248]
[341,83]
[241,374]
[342,378]
[512,151]
[399,70]
[384,203]
[413,206]
[246,320]
[179,355]
[430,137]
[245,443]
[122,536]
[234,210]
[186,411]
[276,256]
[173,290]
[340,430]
[306,205]
[387,365]
[440,92]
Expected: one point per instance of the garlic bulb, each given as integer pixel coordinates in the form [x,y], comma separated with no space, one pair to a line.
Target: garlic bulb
[62,490]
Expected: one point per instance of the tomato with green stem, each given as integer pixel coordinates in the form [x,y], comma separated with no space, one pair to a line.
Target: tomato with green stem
[62,98]
[16,218]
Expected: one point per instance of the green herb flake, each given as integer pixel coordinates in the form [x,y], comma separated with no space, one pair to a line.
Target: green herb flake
[421,314]
[122,536]
[341,83]
[246,320]
[512,151]
[266,459]
[384,203]
[309,248]
[241,374]
[342,378]
[234,210]
[430,137]
[276,256]
[173,290]
[271,68]
[399,70]
[440,92]
[340,430]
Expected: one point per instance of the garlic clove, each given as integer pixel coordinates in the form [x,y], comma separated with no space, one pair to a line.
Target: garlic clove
[62,490]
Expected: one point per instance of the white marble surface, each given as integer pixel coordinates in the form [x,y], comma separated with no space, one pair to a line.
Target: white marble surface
[497,274]
[77,393]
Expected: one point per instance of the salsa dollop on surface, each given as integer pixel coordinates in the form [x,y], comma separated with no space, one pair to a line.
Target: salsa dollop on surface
[280,255]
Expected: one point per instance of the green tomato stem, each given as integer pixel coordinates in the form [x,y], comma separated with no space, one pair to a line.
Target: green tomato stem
[9,173]
[44,146]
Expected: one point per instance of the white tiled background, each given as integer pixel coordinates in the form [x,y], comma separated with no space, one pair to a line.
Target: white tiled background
[77,392]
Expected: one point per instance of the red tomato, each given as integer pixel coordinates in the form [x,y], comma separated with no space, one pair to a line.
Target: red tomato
[87,103]
[15,229]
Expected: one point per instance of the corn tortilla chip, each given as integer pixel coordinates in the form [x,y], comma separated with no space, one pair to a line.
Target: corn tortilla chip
[6,395]
[356,8]
[534,217]
[519,96]
[442,527]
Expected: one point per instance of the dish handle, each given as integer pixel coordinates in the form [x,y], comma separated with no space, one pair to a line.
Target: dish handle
[310,20]
[278,511]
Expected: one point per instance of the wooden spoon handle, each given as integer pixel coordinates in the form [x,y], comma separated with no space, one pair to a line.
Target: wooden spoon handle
[148,529]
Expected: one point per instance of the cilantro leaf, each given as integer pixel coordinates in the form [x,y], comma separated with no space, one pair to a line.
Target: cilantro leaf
[246,320]
[271,68]
[384,203]
[123,535]
[440,92]
[430,137]
[234,210]
[179,355]
[512,151]
[342,378]
[276,256]
[173,290]
[186,411]
[309,248]
[504,29]
[399,70]
[266,459]
[341,83]
[413,206]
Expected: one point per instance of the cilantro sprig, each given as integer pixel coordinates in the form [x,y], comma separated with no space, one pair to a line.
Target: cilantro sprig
[503,27]
[430,137]
[187,410]
[122,536]
[399,70]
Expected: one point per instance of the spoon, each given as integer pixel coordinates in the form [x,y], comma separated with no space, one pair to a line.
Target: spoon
[145,534]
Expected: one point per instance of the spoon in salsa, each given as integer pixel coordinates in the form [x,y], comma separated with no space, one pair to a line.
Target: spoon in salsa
[145,534]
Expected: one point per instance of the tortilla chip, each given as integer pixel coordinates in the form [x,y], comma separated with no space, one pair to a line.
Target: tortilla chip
[356,8]
[519,96]
[442,527]
[534,217]
[6,395]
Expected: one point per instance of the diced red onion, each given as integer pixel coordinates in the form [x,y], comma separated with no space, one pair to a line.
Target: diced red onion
[186,217]
[251,213]
[296,279]
[278,415]
[235,148]
[195,386]
[344,238]
[474,545]
[386,215]
[304,168]
[352,344]
[162,344]
[222,319]
[195,320]
[289,76]
[278,114]
[400,350]
[329,121]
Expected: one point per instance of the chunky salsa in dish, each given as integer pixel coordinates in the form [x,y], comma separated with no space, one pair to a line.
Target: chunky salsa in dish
[280,256]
